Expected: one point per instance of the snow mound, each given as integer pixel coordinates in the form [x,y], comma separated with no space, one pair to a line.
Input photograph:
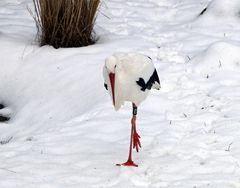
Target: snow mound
[221,10]
[220,56]
[45,88]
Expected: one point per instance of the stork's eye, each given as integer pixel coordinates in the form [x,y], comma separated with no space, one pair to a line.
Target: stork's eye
[115,66]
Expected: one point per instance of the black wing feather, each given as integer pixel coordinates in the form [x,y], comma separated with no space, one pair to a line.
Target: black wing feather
[142,84]
[106,86]
[150,82]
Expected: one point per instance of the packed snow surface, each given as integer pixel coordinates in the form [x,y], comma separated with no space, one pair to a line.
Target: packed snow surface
[63,130]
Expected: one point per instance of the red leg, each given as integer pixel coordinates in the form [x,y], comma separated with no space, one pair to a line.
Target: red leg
[130,161]
[134,142]
[136,137]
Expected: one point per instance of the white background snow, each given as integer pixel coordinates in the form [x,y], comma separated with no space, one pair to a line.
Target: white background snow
[64,132]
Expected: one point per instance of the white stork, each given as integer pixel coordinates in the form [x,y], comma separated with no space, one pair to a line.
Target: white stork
[130,77]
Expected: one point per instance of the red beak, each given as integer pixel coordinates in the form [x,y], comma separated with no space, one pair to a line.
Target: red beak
[112,81]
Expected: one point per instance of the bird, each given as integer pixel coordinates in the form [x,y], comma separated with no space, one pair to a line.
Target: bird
[130,77]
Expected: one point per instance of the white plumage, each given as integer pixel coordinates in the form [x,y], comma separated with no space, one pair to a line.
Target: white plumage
[128,68]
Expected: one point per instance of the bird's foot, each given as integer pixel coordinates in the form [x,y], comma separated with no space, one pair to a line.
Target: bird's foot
[136,140]
[128,163]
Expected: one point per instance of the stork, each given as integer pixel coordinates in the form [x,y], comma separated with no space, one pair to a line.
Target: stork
[130,77]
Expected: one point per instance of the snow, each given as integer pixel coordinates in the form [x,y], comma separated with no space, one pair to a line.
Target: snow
[219,57]
[223,9]
[63,130]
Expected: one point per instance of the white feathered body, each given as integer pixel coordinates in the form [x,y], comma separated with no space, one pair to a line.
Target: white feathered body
[129,67]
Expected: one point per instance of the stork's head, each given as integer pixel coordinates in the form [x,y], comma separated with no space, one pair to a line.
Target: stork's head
[111,64]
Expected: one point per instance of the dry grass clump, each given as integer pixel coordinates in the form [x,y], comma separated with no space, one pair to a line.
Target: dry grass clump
[65,23]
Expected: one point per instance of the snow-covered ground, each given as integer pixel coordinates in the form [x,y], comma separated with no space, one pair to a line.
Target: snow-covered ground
[64,131]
